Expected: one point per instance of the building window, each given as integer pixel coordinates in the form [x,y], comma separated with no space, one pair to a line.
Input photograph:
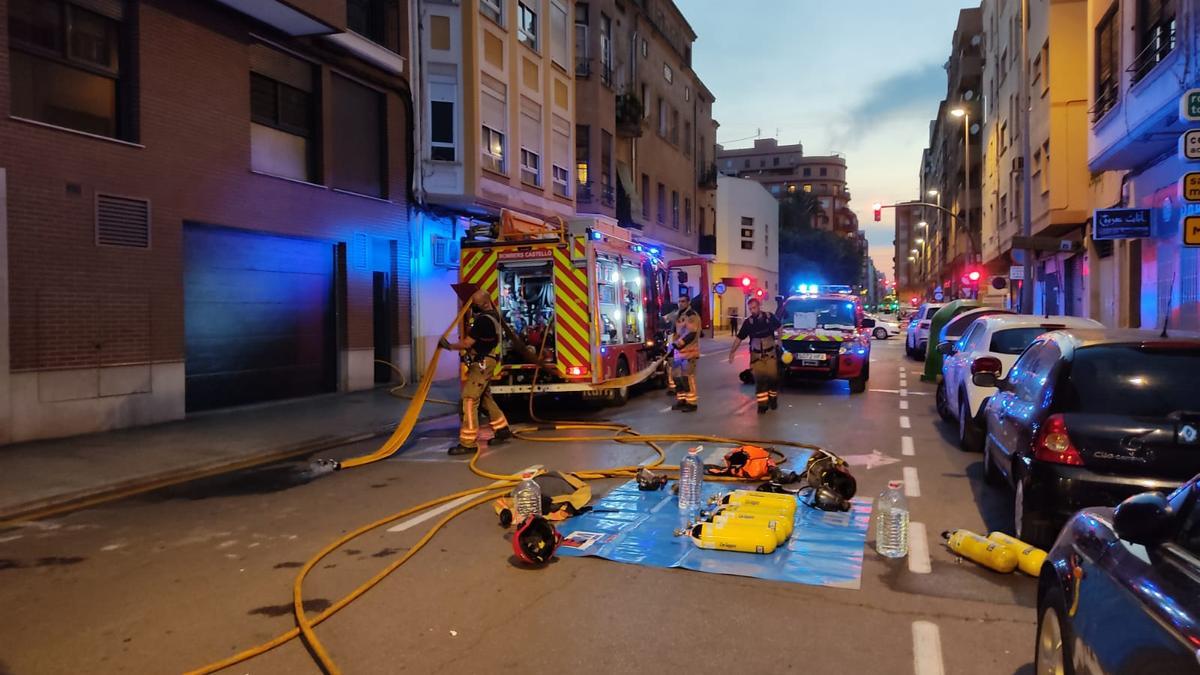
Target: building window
[282,115]
[687,216]
[583,151]
[583,66]
[65,66]
[493,9]
[775,189]
[808,187]
[606,153]
[674,126]
[687,139]
[442,124]
[824,171]
[1108,63]
[668,74]
[644,48]
[562,180]
[675,209]
[645,196]
[774,161]
[662,204]
[747,244]
[687,93]
[559,50]
[493,150]
[527,26]
[662,117]
[376,20]
[745,164]
[807,172]
[645,102]
[606,69]
[1045,167]
[531,168]
[358,157]
[1156,34]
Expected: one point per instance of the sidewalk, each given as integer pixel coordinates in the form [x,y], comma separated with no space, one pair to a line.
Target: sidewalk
[44,474]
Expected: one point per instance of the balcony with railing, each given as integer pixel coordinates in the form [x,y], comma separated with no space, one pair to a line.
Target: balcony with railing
[583,67]
[590,193]
[706,177]
[1160,42]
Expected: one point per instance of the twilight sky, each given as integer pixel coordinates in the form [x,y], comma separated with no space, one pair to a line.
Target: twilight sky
[858,77]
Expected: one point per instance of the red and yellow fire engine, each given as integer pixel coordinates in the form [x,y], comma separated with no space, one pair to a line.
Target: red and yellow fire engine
[584,289]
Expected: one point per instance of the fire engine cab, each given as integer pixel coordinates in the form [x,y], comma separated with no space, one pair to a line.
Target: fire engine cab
[582,291]
[824,338]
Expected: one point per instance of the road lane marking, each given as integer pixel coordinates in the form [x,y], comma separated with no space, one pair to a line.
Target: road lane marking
[918,549]
[927,649]
[665,410]
[887,391]
[906,446]
[903,404]
[448,506]
[903,392]
[912,484]
[904,422]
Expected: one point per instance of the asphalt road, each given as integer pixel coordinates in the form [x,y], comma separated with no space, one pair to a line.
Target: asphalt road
[172,580]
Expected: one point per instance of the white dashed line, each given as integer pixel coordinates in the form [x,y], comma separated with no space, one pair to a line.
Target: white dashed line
[927,649]
[887,391]
[903,392]
[904,422]
[906,446]
[912,484]
[918,549]
[903,405]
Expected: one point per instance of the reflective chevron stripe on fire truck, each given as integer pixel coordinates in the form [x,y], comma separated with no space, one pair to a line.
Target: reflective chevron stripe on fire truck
[798,335]
[578,249]
[570,314]
[478,266]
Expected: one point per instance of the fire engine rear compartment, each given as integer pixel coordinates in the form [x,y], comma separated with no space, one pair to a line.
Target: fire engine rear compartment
[527,305]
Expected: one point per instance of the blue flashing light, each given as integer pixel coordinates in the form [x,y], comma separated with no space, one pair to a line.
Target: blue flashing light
[849,305]
[597,235]
[604,350]
[654,250]
[637,248]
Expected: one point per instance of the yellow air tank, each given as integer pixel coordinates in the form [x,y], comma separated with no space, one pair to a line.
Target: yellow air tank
[992,555]
[1029,557]
[734,538]
[754,498]
[771,522]
[778,515]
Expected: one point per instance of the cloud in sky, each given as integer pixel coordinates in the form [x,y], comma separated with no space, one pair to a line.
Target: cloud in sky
[899,95]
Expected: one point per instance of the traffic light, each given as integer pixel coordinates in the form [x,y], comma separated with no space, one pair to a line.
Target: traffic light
[878,212]
[974,276]
[746,282]
[759,293]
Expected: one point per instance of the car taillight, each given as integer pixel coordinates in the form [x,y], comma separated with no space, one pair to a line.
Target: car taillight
[577,370]
[1053,444]
[986,364]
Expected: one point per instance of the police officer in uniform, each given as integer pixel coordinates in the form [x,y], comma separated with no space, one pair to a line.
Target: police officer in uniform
[687,351]
[479,354]
[761,328]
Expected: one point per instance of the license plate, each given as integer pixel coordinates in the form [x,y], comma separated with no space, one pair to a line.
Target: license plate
[812,357]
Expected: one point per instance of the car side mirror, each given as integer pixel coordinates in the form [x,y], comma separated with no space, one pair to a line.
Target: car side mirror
[946,348]
[868,323]
[986,378]
[1145,519]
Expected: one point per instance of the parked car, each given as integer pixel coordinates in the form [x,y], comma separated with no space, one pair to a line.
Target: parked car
[992,342]
[1088,418]
[1120,590]
[884,328]
[918,330]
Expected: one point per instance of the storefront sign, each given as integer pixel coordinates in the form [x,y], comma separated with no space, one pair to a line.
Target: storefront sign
[1189,145]
[1189,186]
[1121,224]
[1016,273]
[1191,231]
[1189,105]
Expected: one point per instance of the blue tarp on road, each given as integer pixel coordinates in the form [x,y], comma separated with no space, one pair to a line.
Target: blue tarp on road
[632,526]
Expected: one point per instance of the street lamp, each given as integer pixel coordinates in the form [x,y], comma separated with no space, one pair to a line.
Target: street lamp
[920,240]
[932,193]
[961,113]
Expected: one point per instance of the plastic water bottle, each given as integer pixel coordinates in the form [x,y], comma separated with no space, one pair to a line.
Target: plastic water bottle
[691,480]
[891,522]
[527,497]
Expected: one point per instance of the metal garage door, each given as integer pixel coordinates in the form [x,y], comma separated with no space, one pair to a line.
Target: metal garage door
[258,317]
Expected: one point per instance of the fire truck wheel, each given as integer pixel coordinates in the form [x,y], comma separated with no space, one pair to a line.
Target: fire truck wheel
[621,395]
[859,384]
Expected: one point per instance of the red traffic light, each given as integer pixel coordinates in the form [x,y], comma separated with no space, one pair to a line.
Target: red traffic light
[759,293]
[878,212]
[746,281]
[974,276]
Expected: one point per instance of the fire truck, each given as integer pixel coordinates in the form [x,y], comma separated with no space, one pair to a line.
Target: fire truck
[583,291]
[826,337]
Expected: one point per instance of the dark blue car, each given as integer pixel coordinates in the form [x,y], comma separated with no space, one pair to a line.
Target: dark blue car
[1120,590]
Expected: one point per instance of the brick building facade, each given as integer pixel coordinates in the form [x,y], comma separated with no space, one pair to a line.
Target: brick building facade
[203,208]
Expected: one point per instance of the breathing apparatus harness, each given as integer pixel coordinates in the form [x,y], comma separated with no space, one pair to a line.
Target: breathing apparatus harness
[826,477]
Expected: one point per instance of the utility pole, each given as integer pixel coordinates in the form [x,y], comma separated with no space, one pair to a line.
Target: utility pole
[1027,255]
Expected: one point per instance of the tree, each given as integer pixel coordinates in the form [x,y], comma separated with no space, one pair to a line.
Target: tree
[810,255]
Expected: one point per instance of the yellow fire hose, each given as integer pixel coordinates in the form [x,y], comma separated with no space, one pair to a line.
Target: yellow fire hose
[620,433]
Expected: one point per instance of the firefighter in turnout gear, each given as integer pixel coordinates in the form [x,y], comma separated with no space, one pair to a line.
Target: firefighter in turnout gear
[686,344]
[479,354]
[761,328]
[669,320]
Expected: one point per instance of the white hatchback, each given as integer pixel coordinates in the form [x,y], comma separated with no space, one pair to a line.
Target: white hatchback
[918,330]
[991,343]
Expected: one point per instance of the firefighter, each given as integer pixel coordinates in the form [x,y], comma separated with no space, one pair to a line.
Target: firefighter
[479,354]
[669,320]
[687,352]
[761,327]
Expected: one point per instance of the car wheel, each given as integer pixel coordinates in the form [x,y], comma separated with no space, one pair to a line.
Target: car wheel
[1052,655]
[991,475]
[859,384]
[942,404]
[968,431]
[881,334]
[1029,525]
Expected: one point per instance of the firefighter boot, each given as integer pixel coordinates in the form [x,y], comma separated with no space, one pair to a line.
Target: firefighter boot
[460,449]
[774,401]
[501,436]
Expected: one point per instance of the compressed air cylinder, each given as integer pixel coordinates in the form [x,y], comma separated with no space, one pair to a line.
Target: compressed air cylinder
[752,498]
[779,516]
[746,519]
[990,554]
[1029,557]
[736,538]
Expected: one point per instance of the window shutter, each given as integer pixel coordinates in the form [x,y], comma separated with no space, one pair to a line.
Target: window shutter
[121,221]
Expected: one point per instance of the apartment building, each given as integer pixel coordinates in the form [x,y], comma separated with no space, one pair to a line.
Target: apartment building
[950,171]
[497,101]
[785,169]
[747,246]
[908,262]
[1142,57]
[644,128]
[202,204]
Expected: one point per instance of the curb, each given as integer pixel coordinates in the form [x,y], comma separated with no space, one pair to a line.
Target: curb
[72,501]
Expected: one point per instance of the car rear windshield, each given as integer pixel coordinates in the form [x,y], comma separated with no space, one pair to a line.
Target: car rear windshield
[818,313]
[1014,340]
[930,311]
[1132,380]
